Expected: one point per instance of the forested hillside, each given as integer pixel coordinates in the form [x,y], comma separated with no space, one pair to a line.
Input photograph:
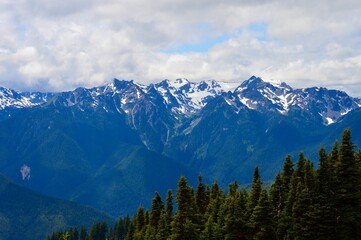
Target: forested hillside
[302,203]
[27,215]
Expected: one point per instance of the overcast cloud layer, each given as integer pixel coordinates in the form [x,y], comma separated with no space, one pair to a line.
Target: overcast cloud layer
[60,44]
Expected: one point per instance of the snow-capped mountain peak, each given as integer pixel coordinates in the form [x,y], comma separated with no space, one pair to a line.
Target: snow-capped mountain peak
[187,97]
[256,93]
[328,105]
[12,99]
[257,82]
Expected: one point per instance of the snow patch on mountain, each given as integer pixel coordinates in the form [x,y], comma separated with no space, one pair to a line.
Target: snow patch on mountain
[248,102]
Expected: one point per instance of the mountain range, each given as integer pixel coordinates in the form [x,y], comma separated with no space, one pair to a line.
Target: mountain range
[112,146]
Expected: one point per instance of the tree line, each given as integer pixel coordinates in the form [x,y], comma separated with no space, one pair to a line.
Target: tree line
[302,203]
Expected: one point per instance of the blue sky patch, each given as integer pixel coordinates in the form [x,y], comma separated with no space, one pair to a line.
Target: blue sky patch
[260,28]
[200,47]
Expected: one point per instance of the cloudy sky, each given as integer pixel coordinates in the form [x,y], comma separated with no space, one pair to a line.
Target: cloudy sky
[61,44]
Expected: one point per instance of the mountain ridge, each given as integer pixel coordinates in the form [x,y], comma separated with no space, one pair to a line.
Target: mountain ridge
[186,98]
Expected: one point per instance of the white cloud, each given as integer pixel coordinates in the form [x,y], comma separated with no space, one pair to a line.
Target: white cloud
[58,45]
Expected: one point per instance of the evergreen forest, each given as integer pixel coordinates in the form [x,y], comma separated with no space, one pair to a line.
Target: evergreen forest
[303,202]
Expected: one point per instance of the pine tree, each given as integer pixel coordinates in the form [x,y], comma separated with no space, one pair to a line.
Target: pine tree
[202,202]
[213,229]
[183,226]
[299,212]
[276,198]
[323,172]
[262,219]
[165,223]
[303,206]
[169,208]
[155,214]
[83,233]
[98,231]
[209,230]
[289,222]
[146,218]
[140,219]
[213,226]
[202,196]
[333,157]
[287,172]
[285,227]
[348,194]
[73,234]
[131,231]
[309,178]
[255,190]
[279,194]
[323,218]
[221,216]
[162,228]
[149,234]
[300,170]
[235,218]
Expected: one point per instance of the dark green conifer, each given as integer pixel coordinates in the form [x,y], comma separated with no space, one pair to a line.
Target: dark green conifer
[262,220]
[202,202]
[333,156]
[169,206]
[255,190]
[287,172]
[300,164]
[217,197]
[235,218]
[276,197]
[121,227]
[165,223]
[131,231]
[322,217]
[99,231]
[146,218]
[303,207]
[348,194]
[140,219]
[157,208]
[73,234]
[202,196]
[285,226]
[83,233]
[183,226]
[279,195]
